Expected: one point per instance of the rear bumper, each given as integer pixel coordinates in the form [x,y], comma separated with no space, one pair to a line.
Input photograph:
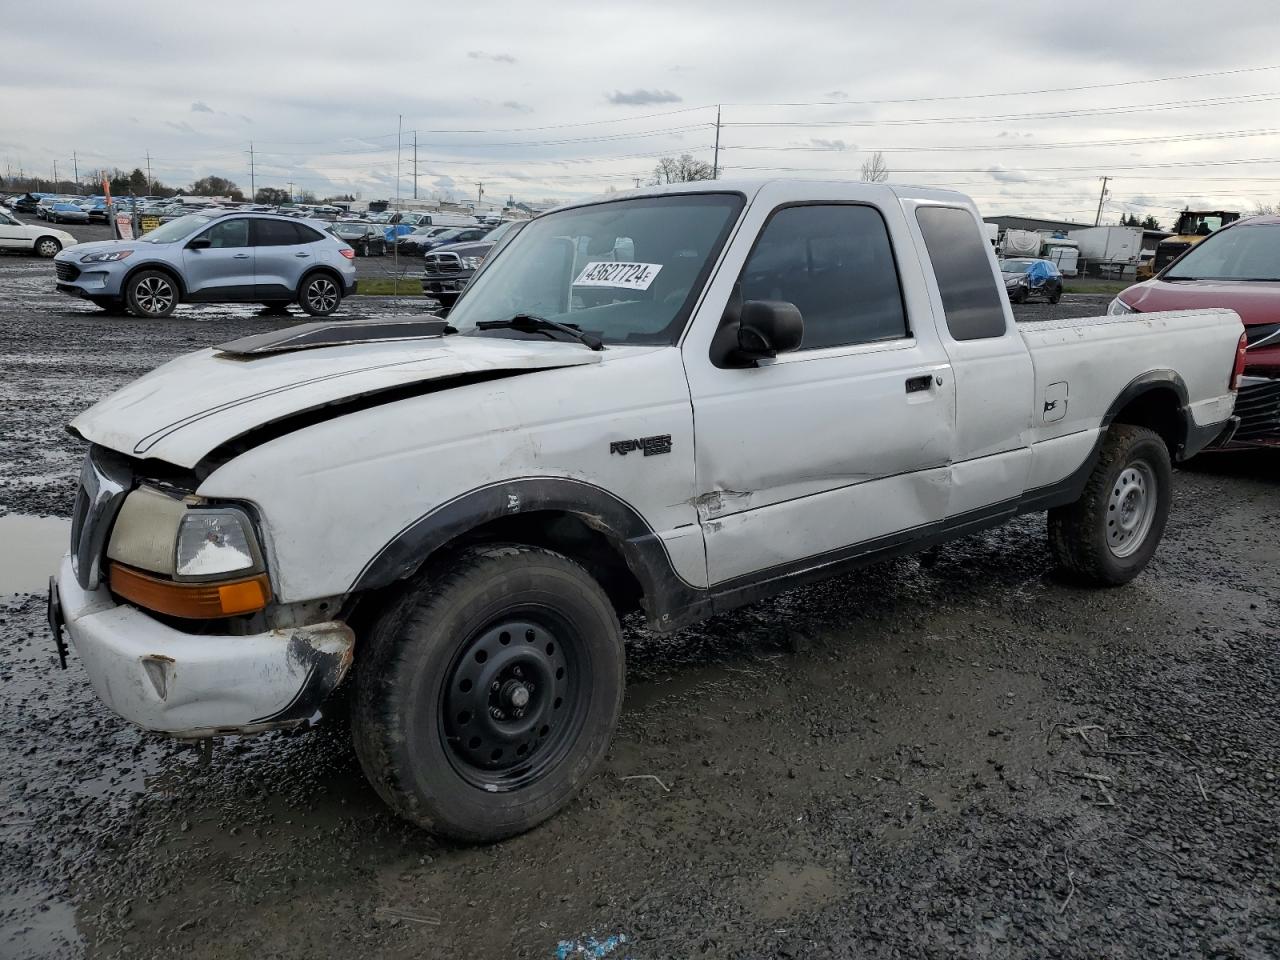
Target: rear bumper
[199,685]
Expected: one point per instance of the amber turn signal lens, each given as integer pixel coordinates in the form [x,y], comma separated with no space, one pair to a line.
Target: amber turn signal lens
[192,601]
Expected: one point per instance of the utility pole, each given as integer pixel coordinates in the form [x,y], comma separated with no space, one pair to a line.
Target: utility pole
[55,176]
[479,191]
[291,191]
[715,164]
[637,180]
[148,171]
[415,164]
[75,164]
[1101,198]
[253,187]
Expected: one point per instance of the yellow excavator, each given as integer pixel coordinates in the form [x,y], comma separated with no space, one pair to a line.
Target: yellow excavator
[1192,227]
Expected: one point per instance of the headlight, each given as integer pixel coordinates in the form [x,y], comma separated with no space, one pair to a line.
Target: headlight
[1118,308]
[1014,281]
[215,543]
[108,257]
[472,263]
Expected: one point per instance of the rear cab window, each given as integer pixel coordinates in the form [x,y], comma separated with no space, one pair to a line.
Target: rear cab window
[972,302]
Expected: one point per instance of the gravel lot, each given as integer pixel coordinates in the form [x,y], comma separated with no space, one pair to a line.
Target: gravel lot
[955,755]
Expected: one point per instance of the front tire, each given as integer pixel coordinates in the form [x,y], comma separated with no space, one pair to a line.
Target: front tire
[48,248]
[488,693]
[1109,535]
[152,294]
[319,295]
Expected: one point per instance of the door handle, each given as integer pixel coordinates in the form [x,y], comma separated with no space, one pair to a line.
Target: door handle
[302,254]
[240,256]
[917,384]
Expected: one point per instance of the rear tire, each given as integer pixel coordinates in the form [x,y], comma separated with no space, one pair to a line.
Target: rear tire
[152,294]
[1109,535]
[487,694]
[319,295]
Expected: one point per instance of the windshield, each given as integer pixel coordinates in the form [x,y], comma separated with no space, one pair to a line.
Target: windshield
[349,229]
[176,229]
[627,270]
[1250,252]
[1015,266]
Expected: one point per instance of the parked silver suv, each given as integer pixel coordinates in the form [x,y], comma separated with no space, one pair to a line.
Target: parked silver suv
[208,258]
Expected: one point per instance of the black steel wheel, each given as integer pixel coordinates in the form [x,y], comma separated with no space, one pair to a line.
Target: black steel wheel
[486,696]
[510,704]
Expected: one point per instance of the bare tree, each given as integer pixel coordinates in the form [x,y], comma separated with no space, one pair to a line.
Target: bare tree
[1261,209]
[681,169]
[874,169]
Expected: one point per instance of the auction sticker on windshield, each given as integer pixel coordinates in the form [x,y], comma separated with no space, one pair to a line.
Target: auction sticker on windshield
[613,273]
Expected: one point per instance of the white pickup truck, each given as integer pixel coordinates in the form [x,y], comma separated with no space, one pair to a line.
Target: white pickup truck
[675,400]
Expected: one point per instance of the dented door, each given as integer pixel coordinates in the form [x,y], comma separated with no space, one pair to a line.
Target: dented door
[835,446]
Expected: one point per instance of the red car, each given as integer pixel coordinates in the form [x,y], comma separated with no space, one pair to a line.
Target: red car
[1238,267]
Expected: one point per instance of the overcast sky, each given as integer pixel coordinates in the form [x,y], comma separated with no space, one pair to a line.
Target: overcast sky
[567,98]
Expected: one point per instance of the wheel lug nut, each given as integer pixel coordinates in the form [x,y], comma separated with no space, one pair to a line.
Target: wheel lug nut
[518,672]
[497,713]
[495,686]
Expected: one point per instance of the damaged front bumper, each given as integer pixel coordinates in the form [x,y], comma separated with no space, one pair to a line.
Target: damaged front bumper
[199,685]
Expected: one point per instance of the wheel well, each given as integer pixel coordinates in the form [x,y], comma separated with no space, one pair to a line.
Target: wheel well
[598,553]
[160,267]
[329,271]
[1158,409]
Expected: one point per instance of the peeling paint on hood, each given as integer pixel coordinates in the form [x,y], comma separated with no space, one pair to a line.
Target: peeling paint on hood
[186,408]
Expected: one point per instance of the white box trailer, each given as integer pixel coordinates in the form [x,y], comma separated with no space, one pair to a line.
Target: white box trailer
[1109,244]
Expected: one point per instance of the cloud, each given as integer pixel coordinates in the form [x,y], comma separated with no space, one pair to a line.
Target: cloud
[201,107]
[637,98]
[817,143]
[836,95]
[181,126]
[1015,133]
[495,57]
[517,106]
[1003,175]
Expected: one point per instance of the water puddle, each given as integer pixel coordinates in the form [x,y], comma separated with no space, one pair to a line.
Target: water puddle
[30,548]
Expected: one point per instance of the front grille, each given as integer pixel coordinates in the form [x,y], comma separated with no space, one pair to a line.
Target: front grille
[1263,335]
[441,263]
[1258,407]
[105,479]
[66,271]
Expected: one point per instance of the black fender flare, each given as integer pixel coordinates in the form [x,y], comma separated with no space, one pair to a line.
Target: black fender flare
[642,549]
[1191,439]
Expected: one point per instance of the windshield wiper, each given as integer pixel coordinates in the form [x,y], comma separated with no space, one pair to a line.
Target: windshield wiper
[527,322]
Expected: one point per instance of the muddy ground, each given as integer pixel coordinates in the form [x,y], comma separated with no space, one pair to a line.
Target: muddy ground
[955,756]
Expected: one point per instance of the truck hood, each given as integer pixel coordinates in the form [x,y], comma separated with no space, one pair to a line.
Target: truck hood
[1256,301]
[182,411]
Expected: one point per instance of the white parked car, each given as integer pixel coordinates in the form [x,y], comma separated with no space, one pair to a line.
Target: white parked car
[42,240]
[676,400]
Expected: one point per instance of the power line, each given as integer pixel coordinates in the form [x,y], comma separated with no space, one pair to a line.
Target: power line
[1038,115]
[1053,145]
[1015,93]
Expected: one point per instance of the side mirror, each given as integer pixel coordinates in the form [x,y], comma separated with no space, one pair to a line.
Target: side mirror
[200,243]
[768,327]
